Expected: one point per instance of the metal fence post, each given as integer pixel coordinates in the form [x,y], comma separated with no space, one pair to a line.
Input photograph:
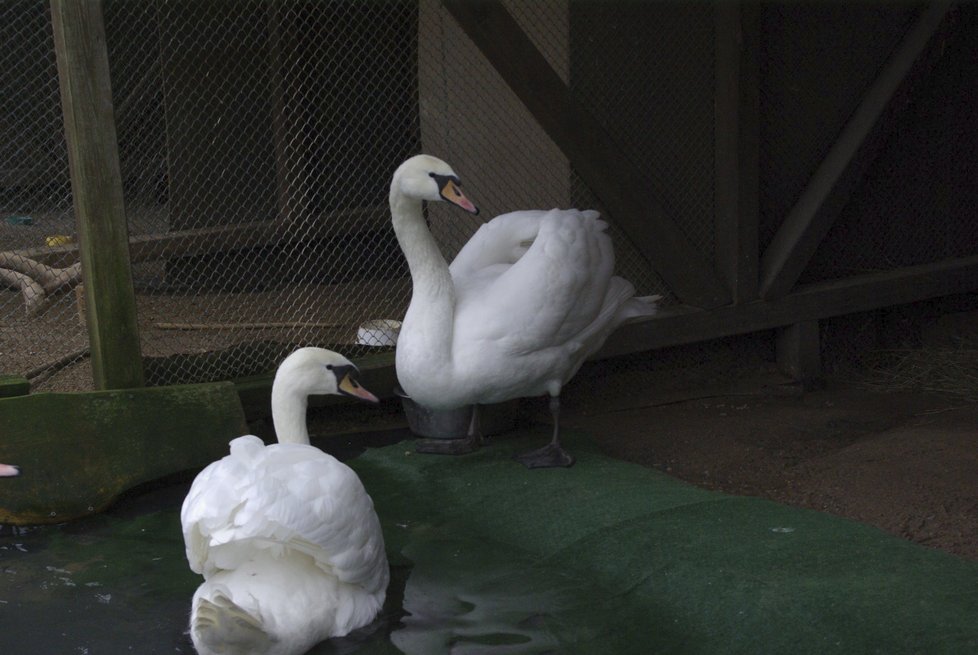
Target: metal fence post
[93,156]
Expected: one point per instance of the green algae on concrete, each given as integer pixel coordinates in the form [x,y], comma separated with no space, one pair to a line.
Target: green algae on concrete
[80,451]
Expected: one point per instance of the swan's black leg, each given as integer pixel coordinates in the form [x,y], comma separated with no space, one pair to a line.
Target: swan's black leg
[552,454]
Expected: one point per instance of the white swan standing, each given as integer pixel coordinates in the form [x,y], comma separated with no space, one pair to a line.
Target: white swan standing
[285,536]
[521,307]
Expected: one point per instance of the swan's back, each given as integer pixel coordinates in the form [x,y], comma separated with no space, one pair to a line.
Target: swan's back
[284,496]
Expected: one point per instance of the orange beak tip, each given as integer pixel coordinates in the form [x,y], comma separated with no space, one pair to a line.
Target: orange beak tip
[363,394]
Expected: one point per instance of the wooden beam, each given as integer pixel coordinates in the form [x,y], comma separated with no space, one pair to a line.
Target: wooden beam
[591,150]
[286,125]
[681,325]
[829,189]
[736,158]
[676,326]
[220,238]
[93,156]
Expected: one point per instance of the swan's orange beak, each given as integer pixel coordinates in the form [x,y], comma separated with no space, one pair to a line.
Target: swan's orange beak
[350,387]
[453,194]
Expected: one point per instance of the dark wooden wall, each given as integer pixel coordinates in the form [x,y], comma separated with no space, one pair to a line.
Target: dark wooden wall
[840,161]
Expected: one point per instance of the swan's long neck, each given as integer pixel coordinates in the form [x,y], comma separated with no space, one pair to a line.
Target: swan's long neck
[431,313]
[289,412]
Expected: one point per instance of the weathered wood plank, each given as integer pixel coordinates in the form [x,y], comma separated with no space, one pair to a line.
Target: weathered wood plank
[675,326]
[79,451]
[591,150]
[96,182]
[286,127]
[736,158]
[831,185]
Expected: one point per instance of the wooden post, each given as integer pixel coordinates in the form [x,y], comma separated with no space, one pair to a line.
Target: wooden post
[737,28]
[799,353]
[93,155]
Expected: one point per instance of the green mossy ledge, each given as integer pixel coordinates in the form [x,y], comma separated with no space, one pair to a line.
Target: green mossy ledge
[13,385]
[80,451]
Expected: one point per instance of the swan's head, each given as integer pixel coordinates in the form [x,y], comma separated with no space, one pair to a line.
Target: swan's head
[310,371]
[424,177]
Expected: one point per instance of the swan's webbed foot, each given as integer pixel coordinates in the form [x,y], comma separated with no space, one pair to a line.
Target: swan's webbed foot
[552,454]
[549,456]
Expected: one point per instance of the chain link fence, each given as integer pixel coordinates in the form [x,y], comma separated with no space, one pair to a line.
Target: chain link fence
[40,331]
[257,139]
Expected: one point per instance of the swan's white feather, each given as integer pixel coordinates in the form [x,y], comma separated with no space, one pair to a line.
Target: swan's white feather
[543,298]
[283,495]
[290,548]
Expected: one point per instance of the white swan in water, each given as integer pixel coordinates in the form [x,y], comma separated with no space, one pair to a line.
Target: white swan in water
[527,299]
[285,535]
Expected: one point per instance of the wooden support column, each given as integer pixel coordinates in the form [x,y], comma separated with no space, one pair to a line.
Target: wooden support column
[96,183]
[591,150]
[799,353]
[736,177]
[830,187]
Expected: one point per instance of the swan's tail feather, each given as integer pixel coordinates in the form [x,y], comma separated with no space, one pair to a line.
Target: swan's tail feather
[219,625]
[640,306]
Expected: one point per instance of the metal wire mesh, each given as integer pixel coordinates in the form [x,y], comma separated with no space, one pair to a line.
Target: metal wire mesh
[40,331]
[645,71]
[276,125]
[817,60]
[257,139]
[903,215]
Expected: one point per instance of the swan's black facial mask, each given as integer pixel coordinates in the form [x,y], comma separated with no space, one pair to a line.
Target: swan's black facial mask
[347,385]
[450,189]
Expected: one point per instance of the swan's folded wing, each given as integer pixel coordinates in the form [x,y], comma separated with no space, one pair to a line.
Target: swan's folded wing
[210,506]
[548,296]
[285,496]
[501,241]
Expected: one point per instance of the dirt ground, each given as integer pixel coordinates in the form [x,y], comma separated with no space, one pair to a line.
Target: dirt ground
[906,462]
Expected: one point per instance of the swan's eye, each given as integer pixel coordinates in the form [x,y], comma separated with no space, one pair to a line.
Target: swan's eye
[329,367]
